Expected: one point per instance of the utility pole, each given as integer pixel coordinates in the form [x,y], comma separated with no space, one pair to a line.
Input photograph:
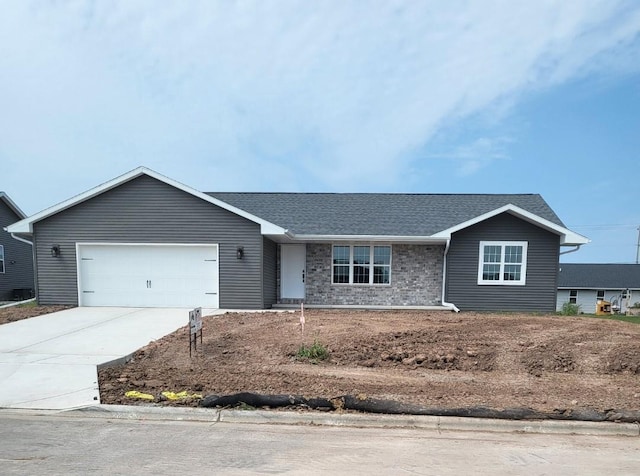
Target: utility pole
[638,248]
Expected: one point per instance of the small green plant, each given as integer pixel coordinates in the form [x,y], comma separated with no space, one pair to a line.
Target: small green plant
[313,353]
[570,309]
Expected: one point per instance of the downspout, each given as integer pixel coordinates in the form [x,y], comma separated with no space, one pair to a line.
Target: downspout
[577,247]
[21,239]
[444,279]
[33,253]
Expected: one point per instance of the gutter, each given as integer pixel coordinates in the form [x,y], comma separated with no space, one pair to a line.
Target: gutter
[310,238]
[444,279]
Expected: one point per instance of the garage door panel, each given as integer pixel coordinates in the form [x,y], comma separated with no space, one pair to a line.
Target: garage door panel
[148,275]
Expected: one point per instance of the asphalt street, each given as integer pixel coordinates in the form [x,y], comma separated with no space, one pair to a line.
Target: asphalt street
[64,444]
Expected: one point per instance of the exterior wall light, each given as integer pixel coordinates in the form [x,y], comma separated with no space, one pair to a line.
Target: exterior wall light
[55,251]
[240,252]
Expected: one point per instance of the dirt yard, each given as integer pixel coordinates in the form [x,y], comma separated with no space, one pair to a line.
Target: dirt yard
[437,359]
[17,313]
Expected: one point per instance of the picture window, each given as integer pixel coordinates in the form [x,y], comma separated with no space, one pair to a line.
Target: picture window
[361,264]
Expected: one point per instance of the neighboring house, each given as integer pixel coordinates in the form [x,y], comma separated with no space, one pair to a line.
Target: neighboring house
[585,284]
[16,257]
[143,239]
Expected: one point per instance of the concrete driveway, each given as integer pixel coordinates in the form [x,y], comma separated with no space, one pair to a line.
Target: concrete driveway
[50,361]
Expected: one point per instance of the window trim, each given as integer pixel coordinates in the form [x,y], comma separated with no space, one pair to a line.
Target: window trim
[3,260]
[371,264]
[573,296]
[502,282]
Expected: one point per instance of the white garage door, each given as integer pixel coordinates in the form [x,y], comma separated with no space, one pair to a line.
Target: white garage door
[148,275]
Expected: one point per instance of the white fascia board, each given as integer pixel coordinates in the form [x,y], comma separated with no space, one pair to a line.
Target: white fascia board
[596,288]
[368,238]
[12,205]
[26,225]
[567,237]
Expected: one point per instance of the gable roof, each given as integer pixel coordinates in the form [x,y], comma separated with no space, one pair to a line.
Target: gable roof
[26,225]
[599,276]
[433,216]
[357,216]
[11,204]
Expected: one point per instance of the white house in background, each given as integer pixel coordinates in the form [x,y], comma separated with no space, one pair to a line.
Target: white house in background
[585,284]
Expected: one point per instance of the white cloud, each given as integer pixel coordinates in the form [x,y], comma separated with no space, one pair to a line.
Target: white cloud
[341,94]
[479,154]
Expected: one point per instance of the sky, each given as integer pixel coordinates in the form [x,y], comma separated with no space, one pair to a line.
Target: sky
[332,96]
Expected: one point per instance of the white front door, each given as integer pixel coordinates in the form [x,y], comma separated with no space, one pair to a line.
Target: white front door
[148,275]
[293,259]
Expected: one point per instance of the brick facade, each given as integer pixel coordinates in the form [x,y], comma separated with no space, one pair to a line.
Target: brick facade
[416,279]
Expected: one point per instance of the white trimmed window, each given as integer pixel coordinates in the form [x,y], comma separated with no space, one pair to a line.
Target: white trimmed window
[361,264]
[503,262]
[573,296]
[1,259]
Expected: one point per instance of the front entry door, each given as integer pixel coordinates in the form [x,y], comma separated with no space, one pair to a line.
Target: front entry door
[293,260]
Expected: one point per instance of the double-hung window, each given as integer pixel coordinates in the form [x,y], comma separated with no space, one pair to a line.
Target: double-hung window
[573,296]
[1,259]
[361,264]
[503,262]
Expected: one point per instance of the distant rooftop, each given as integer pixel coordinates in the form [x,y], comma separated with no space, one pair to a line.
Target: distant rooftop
[599,276]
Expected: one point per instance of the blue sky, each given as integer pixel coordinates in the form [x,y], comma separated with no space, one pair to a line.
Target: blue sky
[342,96]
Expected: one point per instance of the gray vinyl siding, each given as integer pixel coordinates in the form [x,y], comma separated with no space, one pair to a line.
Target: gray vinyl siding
[145,210]
[269,272]
[18,257]
[539,293]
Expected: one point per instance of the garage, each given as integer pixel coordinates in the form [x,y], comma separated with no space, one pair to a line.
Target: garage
[148,275]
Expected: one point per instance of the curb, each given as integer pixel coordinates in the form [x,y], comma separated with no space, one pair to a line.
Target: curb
[355,420]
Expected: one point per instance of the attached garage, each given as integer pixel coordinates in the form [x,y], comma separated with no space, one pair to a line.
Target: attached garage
[148,275]
[143,240]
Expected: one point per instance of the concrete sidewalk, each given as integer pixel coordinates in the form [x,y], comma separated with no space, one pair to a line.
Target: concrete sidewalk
[50,361]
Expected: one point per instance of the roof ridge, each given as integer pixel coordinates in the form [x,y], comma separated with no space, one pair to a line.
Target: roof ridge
[380,193]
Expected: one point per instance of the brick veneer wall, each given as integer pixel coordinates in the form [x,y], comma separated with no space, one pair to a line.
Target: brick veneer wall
[416,279]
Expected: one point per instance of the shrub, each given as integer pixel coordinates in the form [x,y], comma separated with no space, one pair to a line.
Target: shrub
[315,352]
[570,309]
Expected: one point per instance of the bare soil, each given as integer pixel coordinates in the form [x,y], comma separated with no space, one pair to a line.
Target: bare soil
[438,359]
[17,313]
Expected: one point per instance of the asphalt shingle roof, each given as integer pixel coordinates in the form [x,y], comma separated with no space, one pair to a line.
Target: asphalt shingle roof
[599,276]
[377,213]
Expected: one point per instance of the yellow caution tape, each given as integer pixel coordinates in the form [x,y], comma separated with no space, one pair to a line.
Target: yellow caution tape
[168,395]
[180,395]
[136,394]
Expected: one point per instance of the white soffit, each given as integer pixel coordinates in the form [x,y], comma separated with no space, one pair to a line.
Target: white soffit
[567,237]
